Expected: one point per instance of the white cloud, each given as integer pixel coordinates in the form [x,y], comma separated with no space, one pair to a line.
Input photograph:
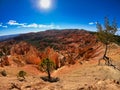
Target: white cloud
[51,26]
[3,26]
[13,22]
[92,23]
[32,25]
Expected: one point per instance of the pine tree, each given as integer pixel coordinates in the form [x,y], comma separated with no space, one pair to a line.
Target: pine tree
[106,35]
[48,66]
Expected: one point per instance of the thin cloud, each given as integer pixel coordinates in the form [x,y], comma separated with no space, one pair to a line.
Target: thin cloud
[92,23]
[32,25]
[3,26]
[13,22]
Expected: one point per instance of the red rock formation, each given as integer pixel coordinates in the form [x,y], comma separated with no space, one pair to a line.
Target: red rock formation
[65,46]
[4,61]
[32,57]
[52,55]
[26,53]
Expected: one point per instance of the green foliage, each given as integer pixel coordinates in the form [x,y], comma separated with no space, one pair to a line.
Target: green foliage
[47,64]
[117,39]
[106,34]
[22,74]
[3,73]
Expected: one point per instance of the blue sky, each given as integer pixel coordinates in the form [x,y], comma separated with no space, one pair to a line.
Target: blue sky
[22,16]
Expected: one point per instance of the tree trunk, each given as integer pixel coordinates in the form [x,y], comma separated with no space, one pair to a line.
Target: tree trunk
[49,75]
[48,70]
[106,48]
[107,59]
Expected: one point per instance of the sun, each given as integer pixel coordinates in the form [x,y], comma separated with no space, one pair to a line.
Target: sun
[45,4]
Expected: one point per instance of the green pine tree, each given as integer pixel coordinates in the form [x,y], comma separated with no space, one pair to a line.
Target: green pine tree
[105,34]
[48,66]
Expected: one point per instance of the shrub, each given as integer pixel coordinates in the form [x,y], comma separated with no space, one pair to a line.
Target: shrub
[22,74]
[48,65]
[3,73]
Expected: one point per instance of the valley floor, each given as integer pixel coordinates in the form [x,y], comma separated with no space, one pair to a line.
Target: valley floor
[88,76]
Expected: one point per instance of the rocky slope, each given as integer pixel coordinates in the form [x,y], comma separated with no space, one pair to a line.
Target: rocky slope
[61,46]
[75,53]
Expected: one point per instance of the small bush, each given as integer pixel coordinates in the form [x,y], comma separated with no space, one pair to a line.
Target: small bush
[22,74]
[3,73]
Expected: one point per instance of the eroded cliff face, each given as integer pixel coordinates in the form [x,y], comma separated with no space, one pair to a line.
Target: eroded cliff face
[52,55]
[24,53]
[63,47]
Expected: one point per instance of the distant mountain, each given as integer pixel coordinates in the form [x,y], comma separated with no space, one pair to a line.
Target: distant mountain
[7,37]
[54,38]
[57,39]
